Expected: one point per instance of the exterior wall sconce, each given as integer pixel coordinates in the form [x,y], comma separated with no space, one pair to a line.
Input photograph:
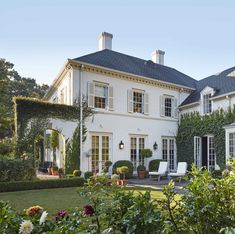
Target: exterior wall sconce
[121,145]
[155,146]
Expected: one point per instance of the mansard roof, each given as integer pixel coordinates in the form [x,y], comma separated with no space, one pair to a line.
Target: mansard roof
[125,63]
[222,83]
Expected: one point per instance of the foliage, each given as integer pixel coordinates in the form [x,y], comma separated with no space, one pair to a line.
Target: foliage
[6,147]
[88,175]
[126,163]
[41,184]
[72,148]
[77,172]
[16,170]
[146,153]
[141,168]
[154,164]
[61,171]
[195,125]
[108,163]
[54,140]
[207,206]
[122,171]
[12,84]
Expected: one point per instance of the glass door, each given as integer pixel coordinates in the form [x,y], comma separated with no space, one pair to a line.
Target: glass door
[137,144]
[168,152]
[211,153]
[100,152]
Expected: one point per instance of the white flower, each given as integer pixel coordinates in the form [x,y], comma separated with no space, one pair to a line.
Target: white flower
[26,227]
[43,217]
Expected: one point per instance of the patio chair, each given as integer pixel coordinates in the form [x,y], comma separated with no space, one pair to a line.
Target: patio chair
[162,170]
[181,171]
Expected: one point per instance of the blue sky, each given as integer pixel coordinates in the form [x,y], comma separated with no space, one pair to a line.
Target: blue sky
[38,36]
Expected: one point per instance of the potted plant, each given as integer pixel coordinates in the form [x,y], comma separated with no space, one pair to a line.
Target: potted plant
[107,165]
[146,153]
[49,169]
[122,171]
[61,172]
[141,169]
[54,170]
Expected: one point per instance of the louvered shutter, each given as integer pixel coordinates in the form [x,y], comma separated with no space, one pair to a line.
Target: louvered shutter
[91,94]
[162,106]
[110,97]
[175,112]
[130,101]
[146,103]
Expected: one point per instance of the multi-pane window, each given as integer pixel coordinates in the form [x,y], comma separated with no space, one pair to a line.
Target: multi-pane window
[168,152]
[207,108]
[168,106]
[134,151]
[138,98]
[211,153]
[231,144]
[101,96]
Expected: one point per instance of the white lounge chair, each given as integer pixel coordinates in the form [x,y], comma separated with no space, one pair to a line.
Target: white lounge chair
[162,170]
[181,171]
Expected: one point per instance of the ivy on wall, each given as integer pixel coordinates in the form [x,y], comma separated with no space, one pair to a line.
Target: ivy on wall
[195,125]
[32,110]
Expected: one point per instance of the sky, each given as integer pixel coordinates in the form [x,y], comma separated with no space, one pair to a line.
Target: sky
[198,36]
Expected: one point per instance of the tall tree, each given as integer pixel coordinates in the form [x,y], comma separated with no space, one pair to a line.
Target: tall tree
[12,84]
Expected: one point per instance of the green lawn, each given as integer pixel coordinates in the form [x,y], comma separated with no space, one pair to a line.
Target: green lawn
[53,199]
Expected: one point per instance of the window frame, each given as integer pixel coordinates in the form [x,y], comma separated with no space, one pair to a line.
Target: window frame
[106,87]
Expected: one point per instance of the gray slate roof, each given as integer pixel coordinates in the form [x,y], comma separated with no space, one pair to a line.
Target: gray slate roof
[222,83]
[136,66]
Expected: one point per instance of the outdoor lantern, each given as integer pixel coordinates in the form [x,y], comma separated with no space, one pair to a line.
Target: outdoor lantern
[121,145]
[155,146]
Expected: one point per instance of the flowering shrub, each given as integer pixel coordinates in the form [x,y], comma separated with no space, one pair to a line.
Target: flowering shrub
[207,206]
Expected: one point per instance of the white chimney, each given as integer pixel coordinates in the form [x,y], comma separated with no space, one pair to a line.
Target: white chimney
[105,41]
[158,56]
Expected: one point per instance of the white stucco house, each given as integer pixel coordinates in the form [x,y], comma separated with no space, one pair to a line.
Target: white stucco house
[137,104]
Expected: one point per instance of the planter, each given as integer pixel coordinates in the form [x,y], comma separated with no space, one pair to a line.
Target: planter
[124,182]
[141,174]
[54,172]
[147,174]
[49,171]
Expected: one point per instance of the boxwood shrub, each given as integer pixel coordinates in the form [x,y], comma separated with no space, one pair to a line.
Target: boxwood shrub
[16,170]
[122,163]
[154,164]
[40,184]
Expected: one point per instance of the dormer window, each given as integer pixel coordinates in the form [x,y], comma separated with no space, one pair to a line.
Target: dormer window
[207,107]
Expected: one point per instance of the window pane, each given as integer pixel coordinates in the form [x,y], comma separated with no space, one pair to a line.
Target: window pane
[95,154]
[100,96]
[232,144]
[207,104]
[134,151]
[138,102]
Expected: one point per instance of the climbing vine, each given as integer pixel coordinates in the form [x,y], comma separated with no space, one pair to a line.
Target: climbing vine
[31,111]
[195,125]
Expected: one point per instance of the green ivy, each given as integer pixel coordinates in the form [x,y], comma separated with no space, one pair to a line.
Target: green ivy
[195,125]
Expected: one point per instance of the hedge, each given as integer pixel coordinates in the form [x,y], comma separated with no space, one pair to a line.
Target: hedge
[16,170]
[122,163]
[40,184]
[154,164]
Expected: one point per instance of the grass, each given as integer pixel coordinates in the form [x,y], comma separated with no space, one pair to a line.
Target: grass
[55,199]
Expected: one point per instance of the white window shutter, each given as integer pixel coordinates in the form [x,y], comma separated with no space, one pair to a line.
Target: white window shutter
[146,103]
[162,106]
[91,94]
[110,97]
[175,109]
[130,101]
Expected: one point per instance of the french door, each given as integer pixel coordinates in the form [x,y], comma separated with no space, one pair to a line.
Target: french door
[168,152]
[137,144]
[204,152]
[100,152]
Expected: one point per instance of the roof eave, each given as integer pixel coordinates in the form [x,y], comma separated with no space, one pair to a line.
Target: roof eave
[130,74]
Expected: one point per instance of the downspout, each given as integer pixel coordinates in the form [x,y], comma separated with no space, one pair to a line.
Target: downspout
[81,119]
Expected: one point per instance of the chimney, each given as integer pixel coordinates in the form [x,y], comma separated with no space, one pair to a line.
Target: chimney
[105,41]
[158,56]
